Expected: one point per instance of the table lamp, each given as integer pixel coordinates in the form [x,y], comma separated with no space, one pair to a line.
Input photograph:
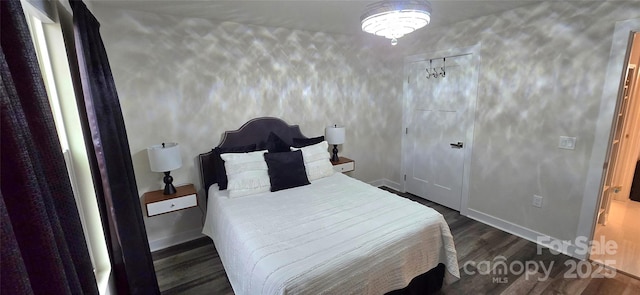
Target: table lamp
[164,158]
[334,135]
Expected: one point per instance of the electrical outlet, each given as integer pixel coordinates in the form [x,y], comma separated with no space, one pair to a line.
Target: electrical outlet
[537,201]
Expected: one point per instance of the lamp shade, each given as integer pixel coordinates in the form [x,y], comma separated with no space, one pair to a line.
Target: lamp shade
[334,134]
[164,157]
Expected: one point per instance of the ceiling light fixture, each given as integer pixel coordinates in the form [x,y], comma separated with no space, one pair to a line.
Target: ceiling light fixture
[393,19]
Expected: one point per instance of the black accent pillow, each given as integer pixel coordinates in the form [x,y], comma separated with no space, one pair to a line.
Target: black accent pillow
[286,170]
[218,163]
[302,142]
[275,144]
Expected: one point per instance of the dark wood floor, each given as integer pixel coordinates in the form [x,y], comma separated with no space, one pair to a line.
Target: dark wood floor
[195,268]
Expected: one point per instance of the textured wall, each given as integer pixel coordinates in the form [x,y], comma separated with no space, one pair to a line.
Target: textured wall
[188,80]
[541,76]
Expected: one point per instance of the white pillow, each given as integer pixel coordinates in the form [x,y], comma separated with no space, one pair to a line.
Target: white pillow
[247,173]
[316,160]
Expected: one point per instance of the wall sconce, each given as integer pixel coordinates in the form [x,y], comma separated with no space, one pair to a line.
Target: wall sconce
[334,135]
[164,158]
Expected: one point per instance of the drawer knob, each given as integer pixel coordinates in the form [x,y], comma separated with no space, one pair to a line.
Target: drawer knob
[173,205]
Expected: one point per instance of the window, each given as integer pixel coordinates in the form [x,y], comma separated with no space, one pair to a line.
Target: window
[46,33]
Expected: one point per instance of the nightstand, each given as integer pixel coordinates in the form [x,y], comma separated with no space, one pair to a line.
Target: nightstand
[344,165]
[157,203]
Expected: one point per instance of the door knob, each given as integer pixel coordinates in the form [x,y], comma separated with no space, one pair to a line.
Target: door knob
[458,145]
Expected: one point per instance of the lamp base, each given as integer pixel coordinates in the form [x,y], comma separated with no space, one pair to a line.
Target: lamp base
[335,157]
[169,189]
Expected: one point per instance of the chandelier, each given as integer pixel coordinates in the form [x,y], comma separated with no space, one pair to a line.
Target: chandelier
[393,19]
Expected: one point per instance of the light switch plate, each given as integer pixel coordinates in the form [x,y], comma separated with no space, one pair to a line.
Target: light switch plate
[537,201]
[567,143]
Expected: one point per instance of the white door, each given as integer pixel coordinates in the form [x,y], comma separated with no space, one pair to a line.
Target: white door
[612,174]
[628,154]
[438,128]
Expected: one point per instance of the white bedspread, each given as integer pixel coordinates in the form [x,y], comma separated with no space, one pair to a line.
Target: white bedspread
[335,236]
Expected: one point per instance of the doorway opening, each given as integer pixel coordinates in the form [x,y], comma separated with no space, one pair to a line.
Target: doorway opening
[618,218]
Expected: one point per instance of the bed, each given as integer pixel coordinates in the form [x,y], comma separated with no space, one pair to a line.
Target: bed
[336,235]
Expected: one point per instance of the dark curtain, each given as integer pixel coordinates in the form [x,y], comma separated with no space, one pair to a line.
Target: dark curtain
[634,194]
[42,242]
[110,162]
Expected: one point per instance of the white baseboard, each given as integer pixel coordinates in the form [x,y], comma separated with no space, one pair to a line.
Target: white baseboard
[386,182]
[567,247]
[176,239]
[564,247]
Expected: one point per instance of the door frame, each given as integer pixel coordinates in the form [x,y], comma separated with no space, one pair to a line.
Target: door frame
[616,152]
[634,134]
[602,135]
[474,51]
[628,148]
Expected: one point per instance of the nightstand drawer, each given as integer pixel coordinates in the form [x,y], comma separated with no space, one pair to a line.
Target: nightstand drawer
[170,205]
[344,167]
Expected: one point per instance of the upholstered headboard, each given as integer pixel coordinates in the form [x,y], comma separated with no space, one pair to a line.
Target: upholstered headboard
[255,131]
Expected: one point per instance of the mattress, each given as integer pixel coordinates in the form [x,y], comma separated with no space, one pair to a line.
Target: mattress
[337,235]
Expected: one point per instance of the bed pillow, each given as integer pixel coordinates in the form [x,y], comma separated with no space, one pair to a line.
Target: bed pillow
[247,173]
[275,144]
[218,163]
[286,170]
[316,160]
[302,142]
